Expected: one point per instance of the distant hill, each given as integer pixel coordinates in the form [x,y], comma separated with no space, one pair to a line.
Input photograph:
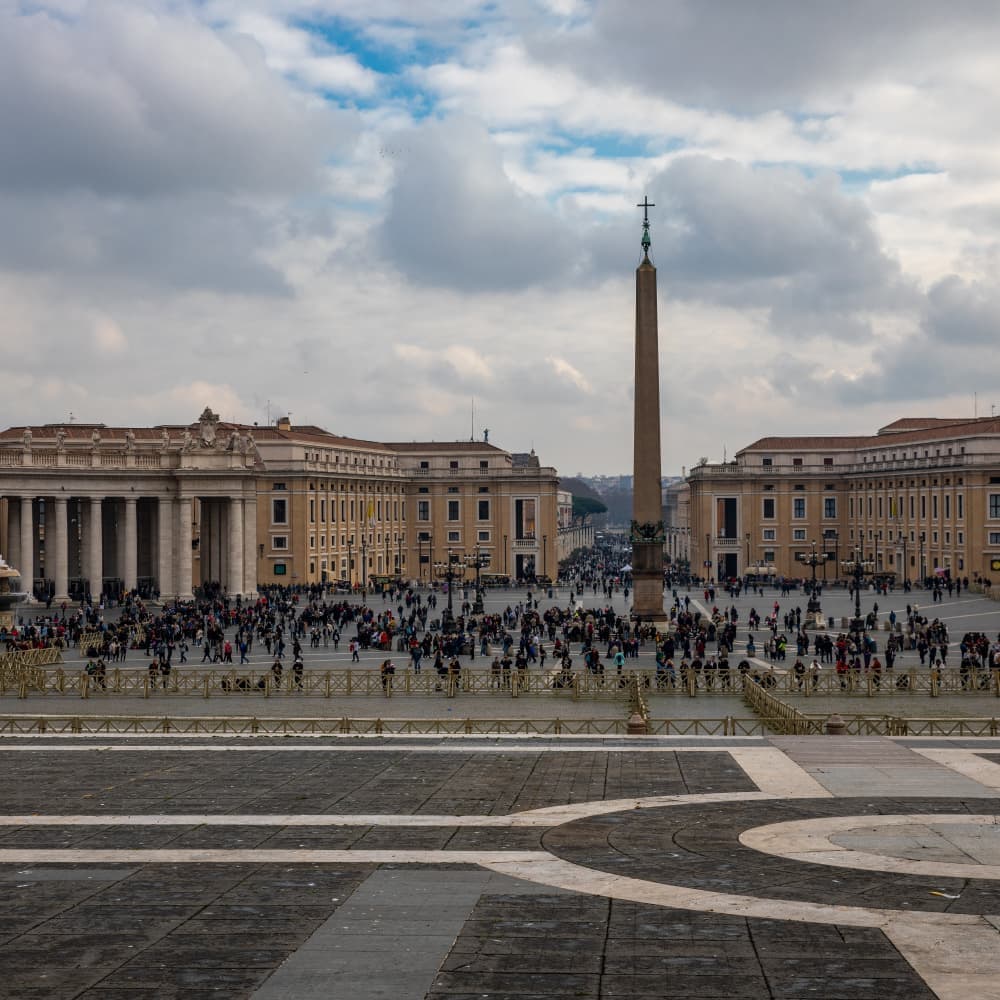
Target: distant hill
[579,488]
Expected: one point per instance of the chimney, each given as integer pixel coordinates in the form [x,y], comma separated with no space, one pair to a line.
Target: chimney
[283,423]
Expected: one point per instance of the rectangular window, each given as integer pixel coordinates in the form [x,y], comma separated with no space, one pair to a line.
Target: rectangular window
[850,506]
[994,537]
[797,462]
[280,569]
[279,511]
[312,510]
[994,505]
[453,514]
[828,461]
[322,511]
[769,555]
[279,541]
[769,508]
[484,463]
[879,506]
[484,510]
[423,510]
[799,534]
[454,536]
[483,536]
[799,508]
[911,505]
[869,506]
[453,465]
[960,506]
[947,506]
[829,506]
[770,534]
[923,506]
[934,506]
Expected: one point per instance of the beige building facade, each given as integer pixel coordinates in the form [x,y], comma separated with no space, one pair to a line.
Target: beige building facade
[919,498]
[165,510]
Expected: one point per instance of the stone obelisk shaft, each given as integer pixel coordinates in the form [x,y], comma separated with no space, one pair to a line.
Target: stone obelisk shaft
[647,512]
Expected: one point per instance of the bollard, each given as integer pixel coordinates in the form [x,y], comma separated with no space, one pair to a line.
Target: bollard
[835,726]
[636,725]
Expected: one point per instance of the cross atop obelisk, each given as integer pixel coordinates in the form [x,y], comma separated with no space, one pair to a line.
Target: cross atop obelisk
[646,205]
[647,533]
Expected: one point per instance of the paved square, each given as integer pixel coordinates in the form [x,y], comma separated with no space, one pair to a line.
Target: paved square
[416,868]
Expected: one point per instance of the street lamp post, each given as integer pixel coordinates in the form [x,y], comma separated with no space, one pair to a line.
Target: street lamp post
[350,561]
[857,568]
[813,559]
[477,604]
[446,571]
[923,565]
[364,563]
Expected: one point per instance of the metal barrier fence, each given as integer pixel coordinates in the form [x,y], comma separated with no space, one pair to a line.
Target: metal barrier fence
[26,675]
[123,725]
[782,718]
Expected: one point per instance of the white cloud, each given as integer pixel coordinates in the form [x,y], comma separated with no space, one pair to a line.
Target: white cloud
[108,336]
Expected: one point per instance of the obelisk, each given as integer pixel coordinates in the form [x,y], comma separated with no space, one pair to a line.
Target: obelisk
[647,534]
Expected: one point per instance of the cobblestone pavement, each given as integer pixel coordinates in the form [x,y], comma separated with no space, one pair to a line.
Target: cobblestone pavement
[840,868]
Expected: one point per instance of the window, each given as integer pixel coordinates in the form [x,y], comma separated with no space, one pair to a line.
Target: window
[280,569]
[798,534]
[423,489]
[947,506]
[829,506]
[279,541]
[482,536]
[934,506]
[767,462]
[797,462]
[769,508]
[423,510]
[483,510]
[425,465]
[278,486]
[850,506]
[453,464]
[994,505]
[799,507]
[994,538]
[423,536]
[483,464]
[769,555]
[960,505]
[960,537]
[484,489]
[452,489]
[279,511]
[312,511]
[454,536]
[828,461]
[312,541]
[453,514]
[322,511]
[769,534]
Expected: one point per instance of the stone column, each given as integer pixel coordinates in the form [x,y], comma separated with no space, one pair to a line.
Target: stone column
[235,567]
[165,546]
[95,548]
[57,550]
[131,570]
[13,553]
[250,547]
[183,579]
[27,566]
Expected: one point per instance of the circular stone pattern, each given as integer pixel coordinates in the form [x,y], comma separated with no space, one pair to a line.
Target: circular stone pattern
[699,846]
[958,846]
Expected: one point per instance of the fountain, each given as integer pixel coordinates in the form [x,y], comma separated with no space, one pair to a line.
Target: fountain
[9,597]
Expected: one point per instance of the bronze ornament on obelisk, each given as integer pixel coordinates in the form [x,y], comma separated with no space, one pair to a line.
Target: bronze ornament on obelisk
[647,534]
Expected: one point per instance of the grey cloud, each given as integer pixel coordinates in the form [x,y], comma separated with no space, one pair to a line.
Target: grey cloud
[125,101]
[765,237]
[752,56]
[960,312]
[456,221]
[171,242]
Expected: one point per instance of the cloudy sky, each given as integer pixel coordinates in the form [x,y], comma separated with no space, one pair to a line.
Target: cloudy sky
[370,213]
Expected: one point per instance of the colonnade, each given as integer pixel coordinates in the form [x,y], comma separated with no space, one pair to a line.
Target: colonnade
[132,542]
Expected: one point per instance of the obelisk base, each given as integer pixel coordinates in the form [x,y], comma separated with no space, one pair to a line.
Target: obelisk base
[647,581]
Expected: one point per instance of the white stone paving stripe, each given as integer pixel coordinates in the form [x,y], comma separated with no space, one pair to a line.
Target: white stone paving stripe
[809,840]
[553,871]
[957,963]
[774,772]
[965,762]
